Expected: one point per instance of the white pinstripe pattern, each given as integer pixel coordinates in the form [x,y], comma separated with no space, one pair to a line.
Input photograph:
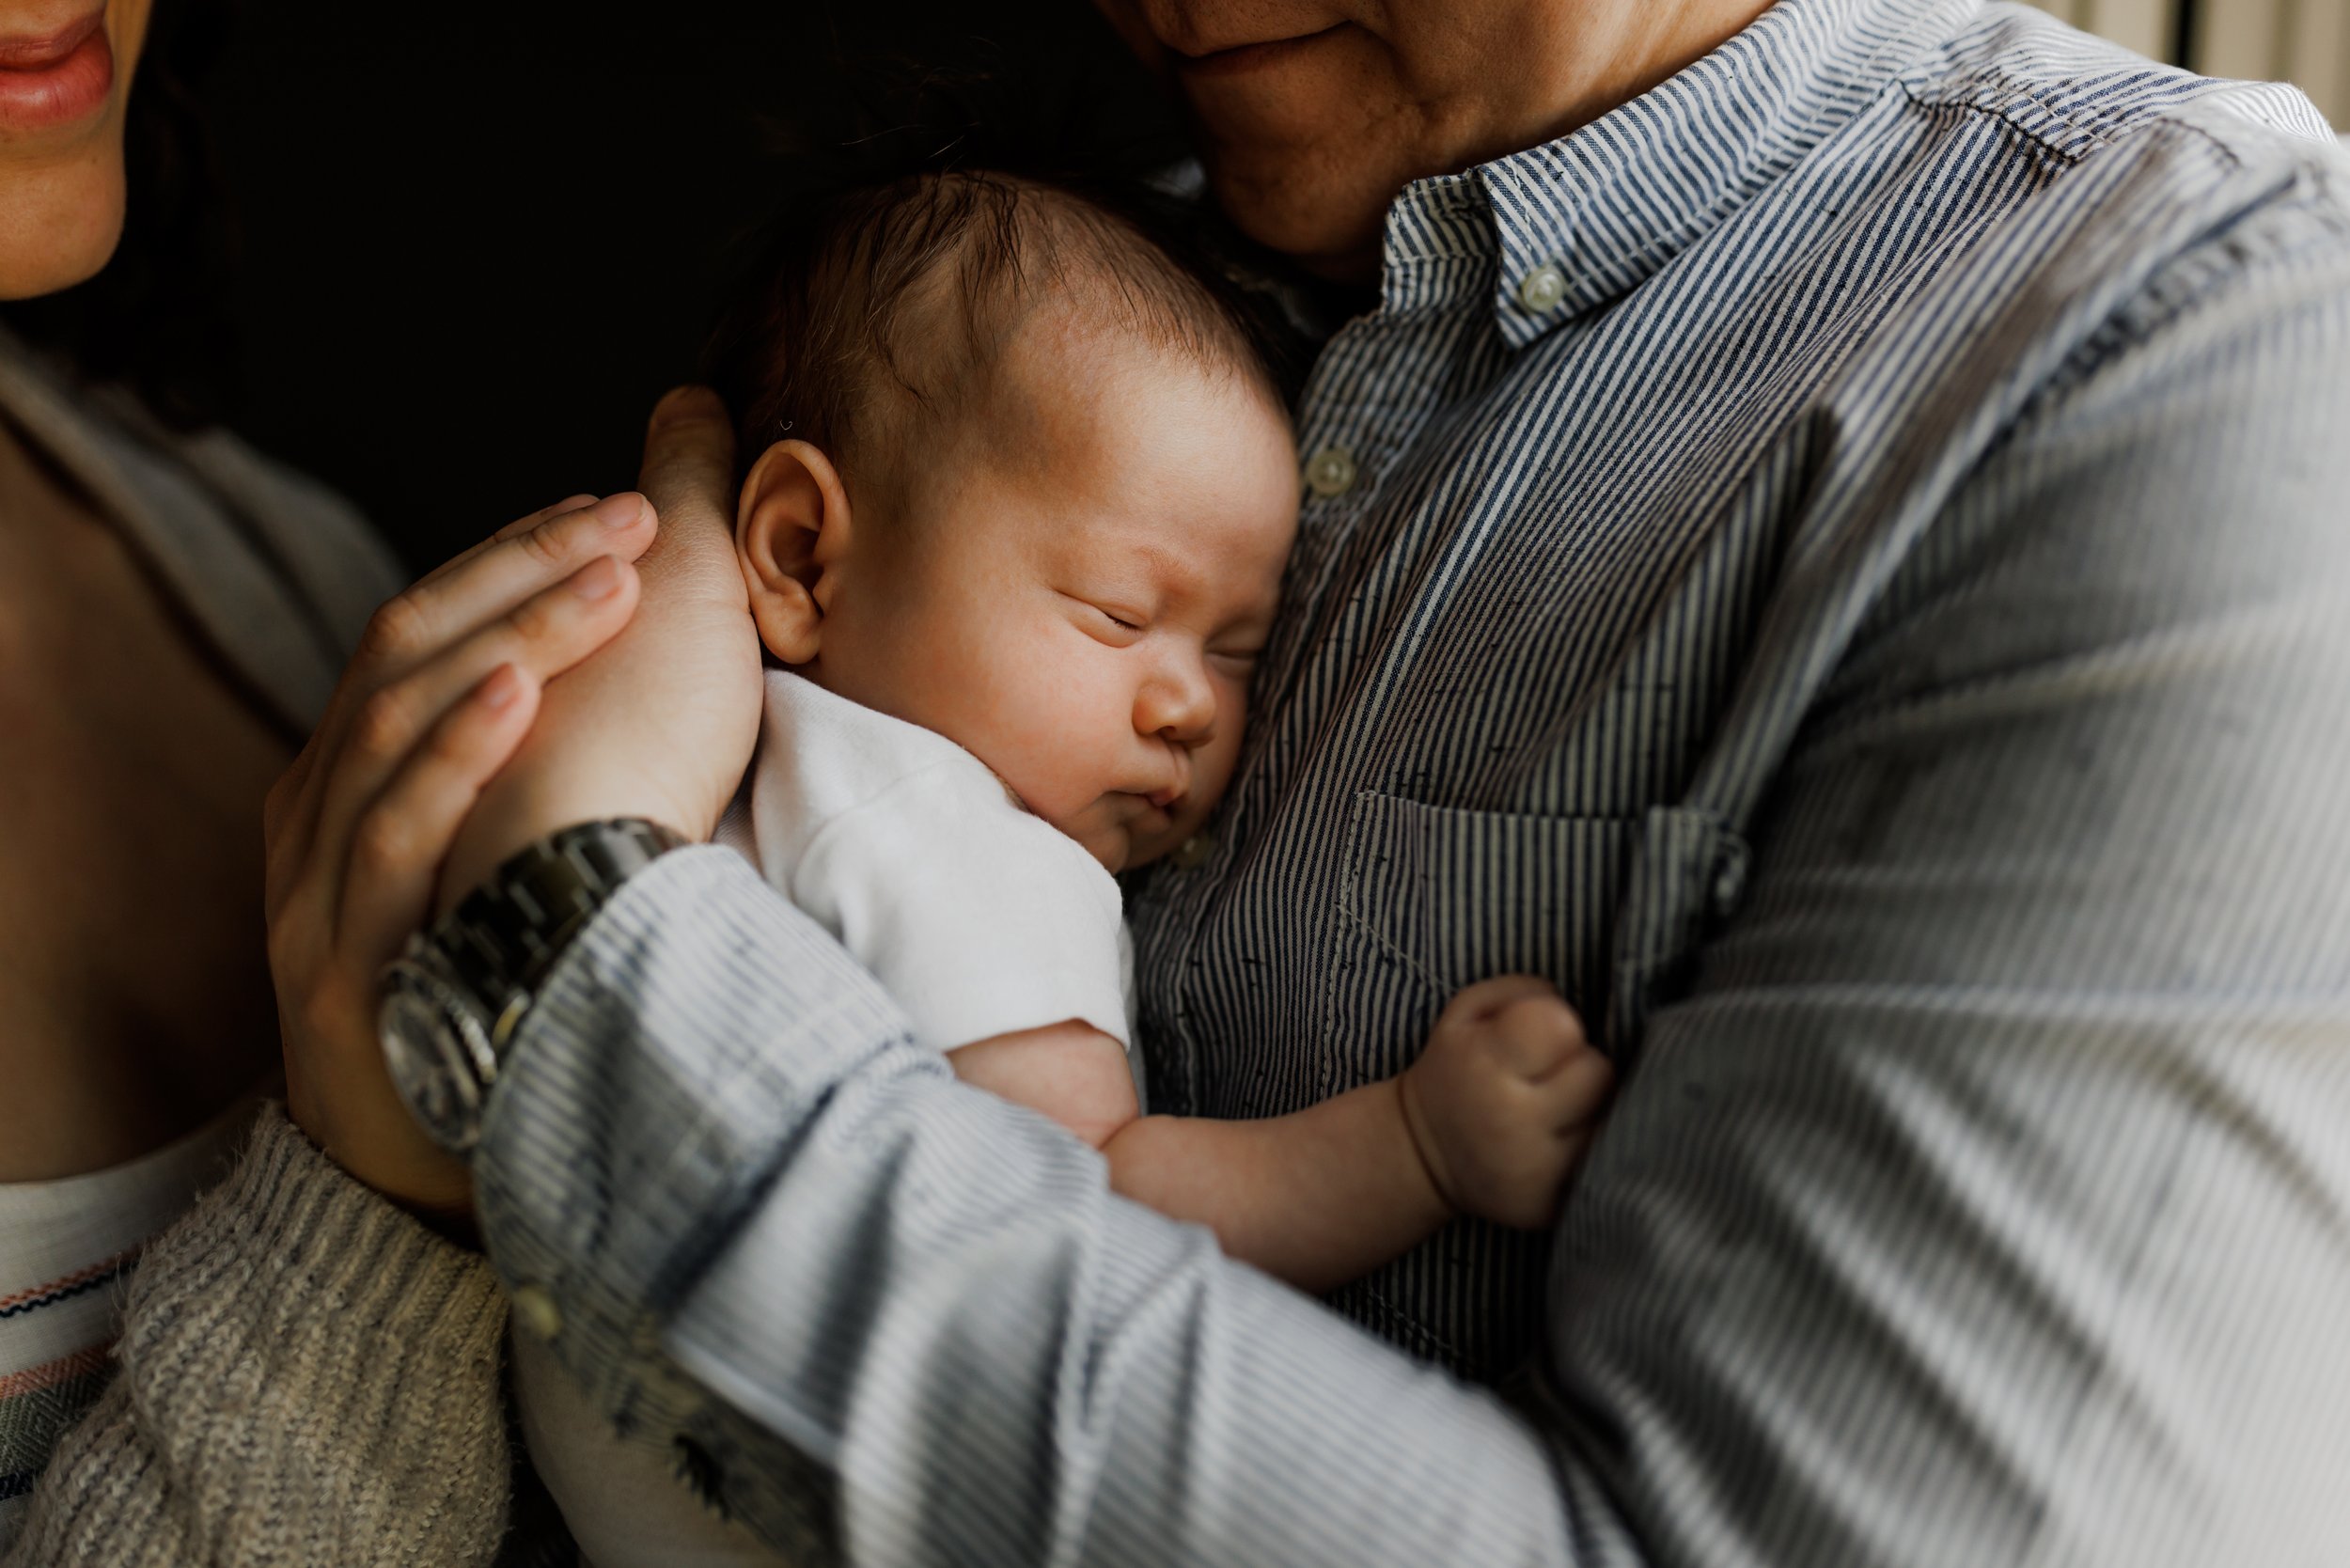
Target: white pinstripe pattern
[1882,645]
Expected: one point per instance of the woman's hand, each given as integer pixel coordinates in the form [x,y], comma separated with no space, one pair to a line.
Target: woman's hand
[443,687]
[660,724]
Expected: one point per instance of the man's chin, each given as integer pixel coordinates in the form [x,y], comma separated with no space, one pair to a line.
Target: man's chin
[1334,233]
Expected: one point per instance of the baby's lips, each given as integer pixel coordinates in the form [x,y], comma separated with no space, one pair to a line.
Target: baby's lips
[1165,799]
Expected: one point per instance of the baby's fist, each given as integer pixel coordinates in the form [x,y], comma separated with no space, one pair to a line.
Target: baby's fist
[1504,1098]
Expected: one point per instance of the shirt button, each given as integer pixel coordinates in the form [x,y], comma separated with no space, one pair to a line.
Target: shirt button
[1543,288]
[536,1313]
[1192,851]
[1730,881]
[1330,472]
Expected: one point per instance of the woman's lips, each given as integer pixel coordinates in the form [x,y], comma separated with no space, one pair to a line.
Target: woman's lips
[52,80]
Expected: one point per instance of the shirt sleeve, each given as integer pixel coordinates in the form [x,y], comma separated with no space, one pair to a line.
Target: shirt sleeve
[1979,1193]
[1978,1196]
[898,1320]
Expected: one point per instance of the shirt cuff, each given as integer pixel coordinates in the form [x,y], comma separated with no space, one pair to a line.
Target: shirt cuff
[663,1073]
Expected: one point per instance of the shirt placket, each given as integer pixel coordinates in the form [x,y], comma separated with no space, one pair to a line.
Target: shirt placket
[1375,389]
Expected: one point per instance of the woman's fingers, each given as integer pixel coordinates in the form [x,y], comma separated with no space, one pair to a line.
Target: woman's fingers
[397,843]
[444,603]
[424,619]
[520,560]
[520,524]
[545,634]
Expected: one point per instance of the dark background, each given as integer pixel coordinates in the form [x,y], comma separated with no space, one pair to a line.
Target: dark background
[473,246]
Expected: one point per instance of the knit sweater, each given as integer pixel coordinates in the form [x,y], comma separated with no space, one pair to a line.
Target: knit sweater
[307,1377]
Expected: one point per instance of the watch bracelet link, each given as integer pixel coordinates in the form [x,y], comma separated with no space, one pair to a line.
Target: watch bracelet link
[503,937]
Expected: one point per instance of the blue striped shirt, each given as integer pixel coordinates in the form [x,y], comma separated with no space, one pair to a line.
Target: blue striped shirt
[1844,564]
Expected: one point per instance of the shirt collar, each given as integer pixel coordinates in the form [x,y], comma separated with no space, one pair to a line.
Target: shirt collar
[1560,229]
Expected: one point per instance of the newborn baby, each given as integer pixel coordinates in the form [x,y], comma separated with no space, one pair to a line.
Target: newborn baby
[1020,493]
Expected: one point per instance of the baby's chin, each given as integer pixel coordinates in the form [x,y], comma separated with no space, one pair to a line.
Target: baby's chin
[1124,832]
[1143,848]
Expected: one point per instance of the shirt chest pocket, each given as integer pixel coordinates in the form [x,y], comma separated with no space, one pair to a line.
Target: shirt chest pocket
[1436,898]
[1608,909]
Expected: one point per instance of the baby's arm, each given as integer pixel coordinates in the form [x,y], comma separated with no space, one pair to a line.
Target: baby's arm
[1487,1122]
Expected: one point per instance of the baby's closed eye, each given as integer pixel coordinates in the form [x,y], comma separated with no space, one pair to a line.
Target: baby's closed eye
[1240,660]
[1117,624]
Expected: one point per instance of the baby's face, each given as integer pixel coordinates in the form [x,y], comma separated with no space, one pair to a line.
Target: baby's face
[1078,596]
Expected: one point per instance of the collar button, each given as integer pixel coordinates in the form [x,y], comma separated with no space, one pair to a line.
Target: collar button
[1330,472]
[1543,288]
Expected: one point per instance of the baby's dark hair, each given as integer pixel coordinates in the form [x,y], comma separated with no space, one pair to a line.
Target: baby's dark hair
[876,309]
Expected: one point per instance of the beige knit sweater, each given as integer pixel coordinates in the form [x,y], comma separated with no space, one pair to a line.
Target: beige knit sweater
[309,1376]
[306,1374]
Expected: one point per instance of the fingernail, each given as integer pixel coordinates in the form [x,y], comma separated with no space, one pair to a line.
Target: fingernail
[502,686]
[619,511]
[599,579]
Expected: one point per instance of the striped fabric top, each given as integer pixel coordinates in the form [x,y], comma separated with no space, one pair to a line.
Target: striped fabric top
[1844,564]
[66,1247]
[272,577]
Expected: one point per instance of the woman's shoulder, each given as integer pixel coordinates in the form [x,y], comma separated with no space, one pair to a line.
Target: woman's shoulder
[273,569]
[310,531]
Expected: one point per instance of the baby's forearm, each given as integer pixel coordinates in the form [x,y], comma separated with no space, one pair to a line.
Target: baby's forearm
[1317,1197]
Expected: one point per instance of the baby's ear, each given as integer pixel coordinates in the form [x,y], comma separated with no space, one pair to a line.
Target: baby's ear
[791,524]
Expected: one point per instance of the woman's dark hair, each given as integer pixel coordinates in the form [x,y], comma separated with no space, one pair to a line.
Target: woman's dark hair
[156,318]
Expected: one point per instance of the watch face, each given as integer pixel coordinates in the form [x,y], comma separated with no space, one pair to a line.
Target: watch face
[426,1051]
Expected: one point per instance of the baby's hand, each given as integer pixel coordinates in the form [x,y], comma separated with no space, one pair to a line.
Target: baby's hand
[1504,1098]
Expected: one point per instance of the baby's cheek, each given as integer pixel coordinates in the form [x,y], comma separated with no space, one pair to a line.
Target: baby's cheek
[1213,767]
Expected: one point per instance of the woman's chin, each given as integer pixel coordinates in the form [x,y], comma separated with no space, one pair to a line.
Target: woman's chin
[59,225]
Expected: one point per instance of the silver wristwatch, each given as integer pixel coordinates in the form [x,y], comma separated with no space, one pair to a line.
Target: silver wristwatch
[452,999]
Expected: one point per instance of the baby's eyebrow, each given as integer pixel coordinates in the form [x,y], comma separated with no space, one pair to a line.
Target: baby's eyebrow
[1164,563]
[1139,564]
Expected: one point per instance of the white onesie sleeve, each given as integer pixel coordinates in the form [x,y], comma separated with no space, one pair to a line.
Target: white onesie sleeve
[979,916]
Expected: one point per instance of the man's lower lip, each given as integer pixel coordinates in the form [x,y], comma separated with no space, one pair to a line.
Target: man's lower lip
[72,86]
[1248,57]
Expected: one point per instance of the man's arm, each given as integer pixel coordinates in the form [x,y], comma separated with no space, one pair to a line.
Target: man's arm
[1985,1196]
[874,1301]
[1982,1201]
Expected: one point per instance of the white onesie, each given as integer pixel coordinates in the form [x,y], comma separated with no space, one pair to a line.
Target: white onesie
[978,917]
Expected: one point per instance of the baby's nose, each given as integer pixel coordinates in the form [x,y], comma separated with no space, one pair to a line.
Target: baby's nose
[1178,705]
